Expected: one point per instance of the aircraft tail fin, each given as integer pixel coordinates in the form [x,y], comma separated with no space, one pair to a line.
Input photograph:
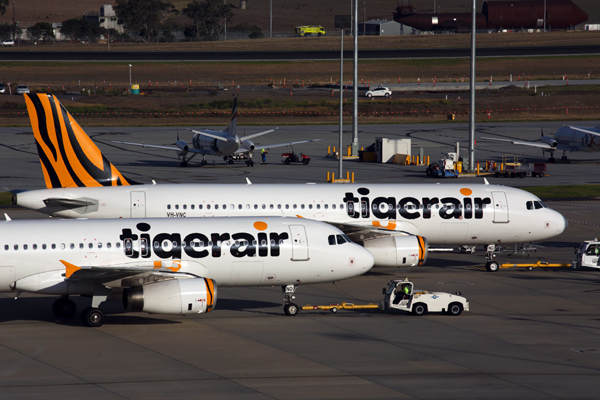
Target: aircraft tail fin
[68,156]
[233,123]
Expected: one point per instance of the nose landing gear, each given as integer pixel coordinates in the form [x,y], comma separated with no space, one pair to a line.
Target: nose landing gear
[290,308]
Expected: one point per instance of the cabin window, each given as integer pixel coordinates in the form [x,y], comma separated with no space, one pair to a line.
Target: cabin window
[256,206]
[118,245]
[295,206]
[208,206]
[247,206]
[468,207]
[287,206]
[62,246]
[264,206]
[53,246]
[341,206]
[156,244]
[99,245]
[310,206]
[302,206]
[192,206]
[177,206]
[199,206]
[232,206]
[81,245]
[16,247]
[332,206]
[6,247]
[216,206]
[185,206]
[24,247]
[281,242]
[72,246]
[91,245]
[108,245]
[43,246]
[272,242]
[224,206]
[325,206]
[34,246]
[271,206]
[239,206]
[263,242]
[168,206]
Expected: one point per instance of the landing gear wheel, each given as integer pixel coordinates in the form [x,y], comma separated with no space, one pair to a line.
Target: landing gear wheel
[506,174]
[92,317]
[455,309]
[497,174]
[492,266]
[64,308]
[419,309]
[291,309]
[305,161]
[523,174]
[286,161]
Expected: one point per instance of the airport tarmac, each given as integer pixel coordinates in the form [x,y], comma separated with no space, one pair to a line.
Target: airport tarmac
[529,334]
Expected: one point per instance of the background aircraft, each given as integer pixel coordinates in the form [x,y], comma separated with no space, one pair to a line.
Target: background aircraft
[566,138]
[224,143]
[167,266]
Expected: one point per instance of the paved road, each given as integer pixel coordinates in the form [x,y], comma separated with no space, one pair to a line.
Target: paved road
[529,335]
[127,56]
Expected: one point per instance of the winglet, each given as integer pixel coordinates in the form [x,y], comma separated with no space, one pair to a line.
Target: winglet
[485,181]
[7,217]
[248,181]
[70,268]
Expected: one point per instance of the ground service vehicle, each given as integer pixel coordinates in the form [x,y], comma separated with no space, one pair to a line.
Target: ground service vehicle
[309,30]
[420,302]
[8,42]
[379,92]
[587,255]
[287,158]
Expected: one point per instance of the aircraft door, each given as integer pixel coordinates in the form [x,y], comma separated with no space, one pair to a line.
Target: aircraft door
[500,207]
[138,204]
[299,243]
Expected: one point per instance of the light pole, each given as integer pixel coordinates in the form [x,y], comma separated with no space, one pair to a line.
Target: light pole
[129,76]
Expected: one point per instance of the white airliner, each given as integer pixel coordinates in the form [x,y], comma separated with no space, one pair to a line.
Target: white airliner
[566,138]
[168,266]
[224,143]
[395,222]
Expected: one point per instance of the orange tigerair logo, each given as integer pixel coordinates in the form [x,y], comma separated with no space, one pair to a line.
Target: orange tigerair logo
[466,192]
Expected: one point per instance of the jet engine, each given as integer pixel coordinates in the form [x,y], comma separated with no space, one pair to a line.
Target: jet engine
[549,140]
[398,251]
[176,296]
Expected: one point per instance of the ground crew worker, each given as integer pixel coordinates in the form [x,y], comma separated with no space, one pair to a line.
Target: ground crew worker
[263,154]
[406,291]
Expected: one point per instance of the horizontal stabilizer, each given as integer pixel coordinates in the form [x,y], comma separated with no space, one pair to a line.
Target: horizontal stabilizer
[541,145]
[270,146]
[247,137]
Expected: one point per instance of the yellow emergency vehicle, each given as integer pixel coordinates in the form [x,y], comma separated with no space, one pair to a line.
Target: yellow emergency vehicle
[309,30]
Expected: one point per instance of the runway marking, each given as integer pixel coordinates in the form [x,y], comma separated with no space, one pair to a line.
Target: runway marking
[572,205]
[584,223]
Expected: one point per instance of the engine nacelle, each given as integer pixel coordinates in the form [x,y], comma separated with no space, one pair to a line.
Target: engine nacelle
[176,296]
[549,140]
[52,282]
[398,251]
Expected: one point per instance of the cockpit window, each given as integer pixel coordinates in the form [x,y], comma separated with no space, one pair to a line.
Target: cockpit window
[331,239]
[538,205]
[530,205]
[340,239]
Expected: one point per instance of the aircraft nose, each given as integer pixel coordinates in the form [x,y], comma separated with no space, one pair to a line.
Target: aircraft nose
[363,259]
[560,224]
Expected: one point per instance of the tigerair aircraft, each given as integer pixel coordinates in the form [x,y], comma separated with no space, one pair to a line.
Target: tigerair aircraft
[224,143]
[167,266]
[396,222]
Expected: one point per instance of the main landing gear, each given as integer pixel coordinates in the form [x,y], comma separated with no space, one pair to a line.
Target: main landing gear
[290,308]
[63,307]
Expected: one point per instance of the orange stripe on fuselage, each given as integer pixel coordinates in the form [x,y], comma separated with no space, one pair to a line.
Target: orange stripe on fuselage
[421,249]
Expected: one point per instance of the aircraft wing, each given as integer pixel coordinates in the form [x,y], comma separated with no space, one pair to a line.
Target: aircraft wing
[213,136]
[360,232]
[107,273]
[257,134]
[270,146]
[522,143]
[152,146]
[576,128]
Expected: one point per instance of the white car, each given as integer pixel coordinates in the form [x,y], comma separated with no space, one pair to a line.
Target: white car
[22,89]
[8,42]
[379,92]
[420,302]
[2,88]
